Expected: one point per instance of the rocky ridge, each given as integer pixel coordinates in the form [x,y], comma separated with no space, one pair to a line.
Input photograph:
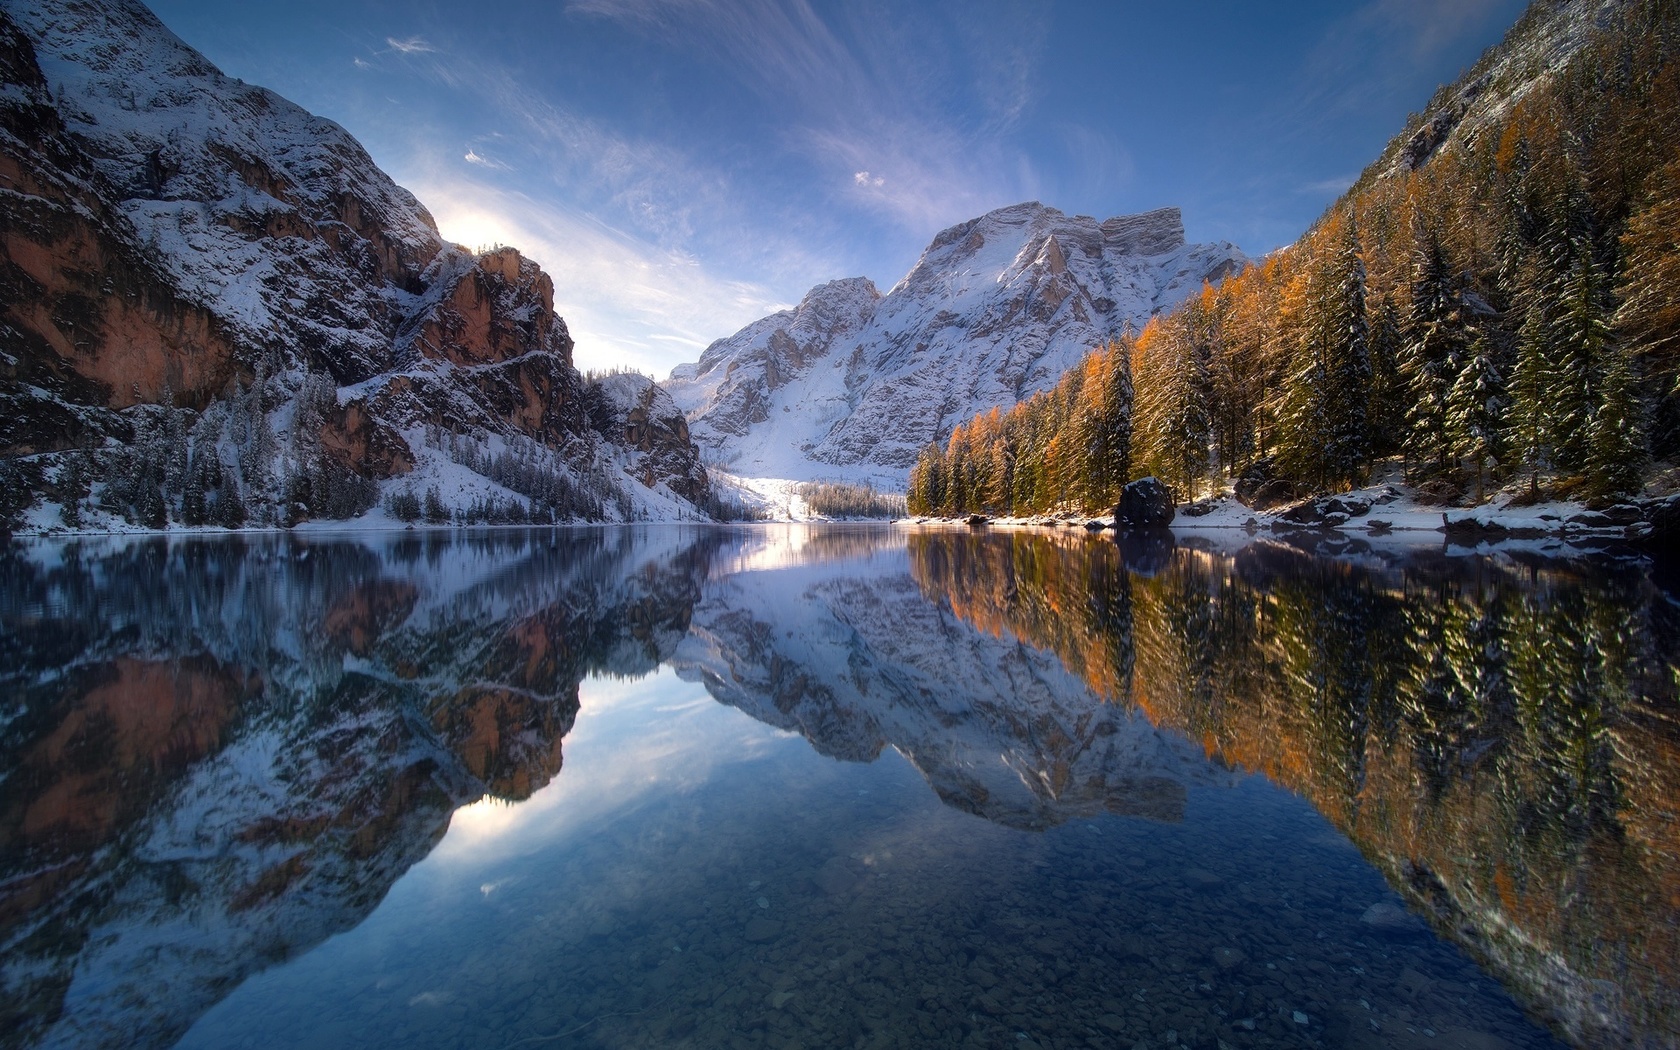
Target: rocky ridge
[187,258]
[853,382]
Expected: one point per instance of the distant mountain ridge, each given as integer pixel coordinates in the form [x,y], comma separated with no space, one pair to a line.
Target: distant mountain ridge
[853,382]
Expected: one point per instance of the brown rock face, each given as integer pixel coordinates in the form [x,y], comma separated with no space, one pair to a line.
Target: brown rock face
[235,256]
[366,445]
[499,309]
[82,313]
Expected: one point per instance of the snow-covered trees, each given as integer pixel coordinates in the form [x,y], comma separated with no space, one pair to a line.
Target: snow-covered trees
[1324,433]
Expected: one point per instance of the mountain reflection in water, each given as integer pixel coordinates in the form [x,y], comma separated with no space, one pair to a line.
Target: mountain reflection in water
[216,754]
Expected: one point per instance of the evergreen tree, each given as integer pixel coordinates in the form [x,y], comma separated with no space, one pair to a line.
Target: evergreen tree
[1324,429]
[1648,320]
[1386,404]
[1616,448]
[1476,411]
[1580,338]
[1529,421]
[1431,350]
[1348,454]
[230,507]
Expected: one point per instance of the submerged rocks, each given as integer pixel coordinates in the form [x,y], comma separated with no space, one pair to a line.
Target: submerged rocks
[762,931]
[1145,503]
[1392,920]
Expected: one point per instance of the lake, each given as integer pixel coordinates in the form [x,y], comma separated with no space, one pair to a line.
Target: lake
[836,786]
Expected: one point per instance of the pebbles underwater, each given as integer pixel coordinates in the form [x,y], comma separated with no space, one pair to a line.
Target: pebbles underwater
[745,892]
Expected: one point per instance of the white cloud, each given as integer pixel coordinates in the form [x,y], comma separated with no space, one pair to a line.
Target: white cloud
[475,157]
[409,45]
[1337,185]
[626,301]
[361,63]
[913,111]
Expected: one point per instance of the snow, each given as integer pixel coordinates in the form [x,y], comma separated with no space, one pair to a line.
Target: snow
[850,385]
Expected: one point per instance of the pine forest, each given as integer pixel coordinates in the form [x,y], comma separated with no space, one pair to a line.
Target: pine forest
[1494,304]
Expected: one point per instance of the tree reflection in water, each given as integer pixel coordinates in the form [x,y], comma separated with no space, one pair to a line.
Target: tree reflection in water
[1496,733]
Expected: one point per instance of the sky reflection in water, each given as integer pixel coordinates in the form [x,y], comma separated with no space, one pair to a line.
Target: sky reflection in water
[703,872]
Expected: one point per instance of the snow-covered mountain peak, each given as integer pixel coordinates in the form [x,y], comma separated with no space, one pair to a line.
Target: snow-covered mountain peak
[996,309]
[200,264]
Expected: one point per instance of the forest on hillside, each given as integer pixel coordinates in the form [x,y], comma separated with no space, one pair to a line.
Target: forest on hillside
[1495,303]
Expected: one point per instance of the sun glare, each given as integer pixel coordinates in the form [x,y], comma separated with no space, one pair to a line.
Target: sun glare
[473,227]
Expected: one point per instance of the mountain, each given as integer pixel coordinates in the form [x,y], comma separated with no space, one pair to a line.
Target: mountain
[1487,316]
[855,383]
[217,309]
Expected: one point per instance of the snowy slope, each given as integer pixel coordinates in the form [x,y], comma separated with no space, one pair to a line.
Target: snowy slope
[853,383]
[171,235]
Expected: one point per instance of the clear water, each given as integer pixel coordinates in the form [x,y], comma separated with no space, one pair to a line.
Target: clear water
[838,787]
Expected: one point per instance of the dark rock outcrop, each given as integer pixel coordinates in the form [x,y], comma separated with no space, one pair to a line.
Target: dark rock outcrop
[1144,504]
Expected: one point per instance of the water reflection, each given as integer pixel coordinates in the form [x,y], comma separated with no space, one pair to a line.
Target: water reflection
[1496,732]
[218,754]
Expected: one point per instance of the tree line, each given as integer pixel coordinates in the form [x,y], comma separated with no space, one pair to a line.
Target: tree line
[1502,311]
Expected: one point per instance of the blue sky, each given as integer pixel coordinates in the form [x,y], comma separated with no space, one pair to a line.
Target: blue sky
[683,167]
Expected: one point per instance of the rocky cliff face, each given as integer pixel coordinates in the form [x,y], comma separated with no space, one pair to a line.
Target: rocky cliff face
[997,308]
[173,241]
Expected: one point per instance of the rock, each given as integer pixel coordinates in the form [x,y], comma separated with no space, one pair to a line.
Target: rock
[760,931]
[1624,514]
[1390,919]
[1201,508]
[1590,519]
[1307,512]
[1348,505]
[1145,503]
[1095,525]
[1384,496]
[1228,959]
[1202,879]
[835,877]
[1300,1018]
[1257,489]
[1664,516]
[1112,1023]
[977,519]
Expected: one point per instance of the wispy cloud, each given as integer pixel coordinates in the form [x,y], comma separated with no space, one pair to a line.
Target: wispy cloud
[920,107]
[1335,185]
[412,45]
[474,157]
[626,300]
